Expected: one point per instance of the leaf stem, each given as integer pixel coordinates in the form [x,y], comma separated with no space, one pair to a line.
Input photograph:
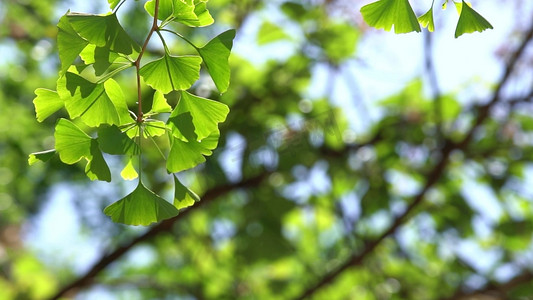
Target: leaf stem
[138,63]
[180,36]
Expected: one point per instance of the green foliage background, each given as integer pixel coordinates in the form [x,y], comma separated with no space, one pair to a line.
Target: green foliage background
[310,209]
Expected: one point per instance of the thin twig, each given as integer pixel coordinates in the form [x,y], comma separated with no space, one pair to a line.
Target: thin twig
[138,63]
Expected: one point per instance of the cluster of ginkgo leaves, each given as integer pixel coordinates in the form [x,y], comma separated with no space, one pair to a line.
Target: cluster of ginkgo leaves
[383,14]
[95,48]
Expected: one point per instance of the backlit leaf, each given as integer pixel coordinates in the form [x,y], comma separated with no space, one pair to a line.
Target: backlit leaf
[71,142]
[154,128]
[176,9]
[183,196]
[386,13]
[69,44]
[199,114]
[103,31]
[42,156]
[113,3]
[215,55]
[95,103]
[186,155]
[141,207]
[129,172]
[171,73]
[426,20]
[114,141]
[46,103]
[159,104]
[96,168]
[470,21]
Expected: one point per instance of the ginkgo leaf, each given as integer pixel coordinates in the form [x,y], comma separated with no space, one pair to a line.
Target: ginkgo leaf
[269,33]
[103,31]
[172,73]
[426,20]
[46,103]
[69,44]
[42,156]
[199,114]
[470,21]
[129,172]
[141,207]
[176,9]
[215,55]
[114,141]
[154,128]
[159,104]
[204,17]
[71,142]
[386,13]
[183,196]
[101,58]
[113,3]
[187,155]
[95,103]
[97,168]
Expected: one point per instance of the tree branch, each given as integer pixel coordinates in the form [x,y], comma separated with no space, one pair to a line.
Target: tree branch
[432,177]
[164,226]
[495,290]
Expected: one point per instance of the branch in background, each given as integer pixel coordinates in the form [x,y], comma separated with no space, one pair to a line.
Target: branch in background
[494,291]
[432,177]
[164,226]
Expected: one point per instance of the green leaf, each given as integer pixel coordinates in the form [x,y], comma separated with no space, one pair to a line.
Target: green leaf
[385,13]
[141,207]
[95,103]
[215,55]
[69,44]
[46,103]
[96,168]
[183,196]
[154,128]
[113,3]
[175,9]
[159,104]
[204,17]
[172,73]
[103,31]
[426,20]
[269,33]
[186,12]
[101,58]
[470,21]
[196,118]
[186,155]
[129,172]
[42,156]
[71,142]
[114,141]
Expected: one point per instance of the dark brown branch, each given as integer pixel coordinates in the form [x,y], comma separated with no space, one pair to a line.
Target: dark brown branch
[432,177]
[164,226]
[497,291]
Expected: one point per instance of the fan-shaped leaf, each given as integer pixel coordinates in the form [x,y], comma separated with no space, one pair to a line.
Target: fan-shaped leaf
[114,141]
[470,21]
[96,168]
[183,196]
[215,55]
[159,104]
[186,155]
[141,207]
[95,103]
[46,103]
[172,73]
[129,172]
[43,156]
[103,31]
[196,118]
[386,13]
[71,142]
[426,20]
[69,44]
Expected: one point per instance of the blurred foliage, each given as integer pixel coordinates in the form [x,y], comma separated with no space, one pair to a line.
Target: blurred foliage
[326,190]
